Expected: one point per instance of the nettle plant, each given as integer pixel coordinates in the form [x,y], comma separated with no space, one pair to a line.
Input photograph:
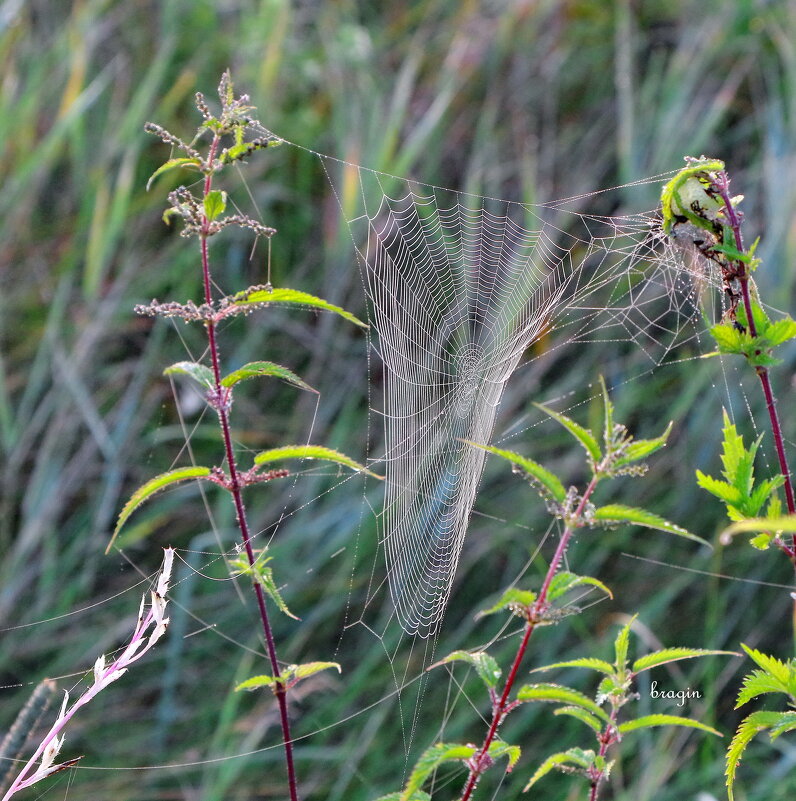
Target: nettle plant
[226,139]
[618,454]
[699,212]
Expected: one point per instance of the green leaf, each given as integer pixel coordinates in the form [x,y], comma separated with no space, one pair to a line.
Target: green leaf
[648,721]
[198,372]
[497,749]
[516,600]
[781,331]
[616,514]
[173,164]
[582,715]
[214,203]
[564,581]
[587,662]
[787,723]
[485,665]
[576,757]
[152,486]
[546,481]
[254,369]
[431,759]
[608,417]
[750,726]
[289,677]
[621,644]
[782,671]
[310,452]
[556,693]
[417,795]
[262,575]
[721,489]
[292,296]
[581,434]
[642,448]
[727,337]
[666,655]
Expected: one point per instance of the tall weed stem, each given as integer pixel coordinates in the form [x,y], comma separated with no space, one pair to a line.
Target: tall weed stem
[235,489]
[481,761]
[722,186]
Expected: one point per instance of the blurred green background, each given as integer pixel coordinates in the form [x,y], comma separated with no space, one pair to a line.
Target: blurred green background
[530,101]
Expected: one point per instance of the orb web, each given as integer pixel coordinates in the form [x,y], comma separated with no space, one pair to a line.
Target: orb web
[459,287]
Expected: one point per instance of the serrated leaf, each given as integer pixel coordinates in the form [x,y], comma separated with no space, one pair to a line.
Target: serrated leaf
[198,372]
[173,164]
[299,672]
[757,683]
[310,452]
[288,677]
[621,644]
[581,434]
[498,748]
[582,715]
[485,665]
[431,759]
[558,694]
[781,671]
[727,337]
[762,542]
[541,476]
[255,369]
[564,581]
[255,682]
[264,576]
[750,726]
[154,485]
[587,662]
[642,448]
[616,514]
[215,202]
[781,331]
[721,489]
[649,721]
[293,296]
[512,599]
[574,756]
[666,655]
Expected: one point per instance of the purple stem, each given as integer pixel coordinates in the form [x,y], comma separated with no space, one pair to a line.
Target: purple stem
[479,763]
[235,489]
[723,187]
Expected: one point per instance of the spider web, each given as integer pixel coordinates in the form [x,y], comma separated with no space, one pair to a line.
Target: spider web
[459,287]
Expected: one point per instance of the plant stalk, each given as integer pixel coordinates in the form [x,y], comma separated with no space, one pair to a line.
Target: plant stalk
[235,489]
[479,763]
[723,187]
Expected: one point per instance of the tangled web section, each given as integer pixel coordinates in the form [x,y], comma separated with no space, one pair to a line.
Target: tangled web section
[459,288]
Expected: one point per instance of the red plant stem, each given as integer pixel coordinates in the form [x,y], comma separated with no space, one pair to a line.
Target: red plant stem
[235,489]
[479,762]
[605,740]
[723,187]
